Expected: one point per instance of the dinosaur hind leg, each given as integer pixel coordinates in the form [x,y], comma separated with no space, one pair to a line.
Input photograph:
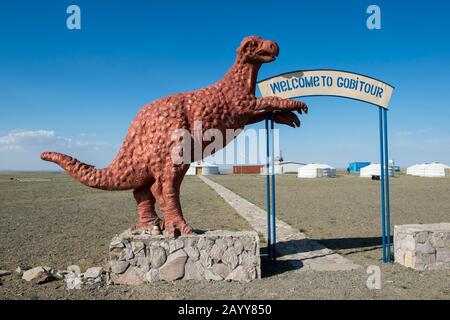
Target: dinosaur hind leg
[146,208]
[166,189]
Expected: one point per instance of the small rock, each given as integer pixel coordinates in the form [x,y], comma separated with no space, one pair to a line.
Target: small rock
[37,275]
[137,246]
[193,253]
[143,262]
[140,254]
[133,276]
[4,273]
[221,270]
[443,255]
[229,241]
[127,243]
[173,269]
[252,273]
[230,258]
[155,231]
[133,262]
[116,242]
[408,243]
[205,259]
[238,247]
[216,252]
[73,281]
[127,254]
[119,266]
[157,256]
[249,244]
[238,274]
[165,245]
[175,245]
[145,268]
[152,275]
[438,239]
[221,243]
[210,275]
[205,244]
[191,241]
[75,269]
[93,272]
[422,237]
[248,260]
[191,271]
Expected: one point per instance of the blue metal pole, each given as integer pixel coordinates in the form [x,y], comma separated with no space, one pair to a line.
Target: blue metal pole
[388,213]
[269,232]
[383,231]
[274,225]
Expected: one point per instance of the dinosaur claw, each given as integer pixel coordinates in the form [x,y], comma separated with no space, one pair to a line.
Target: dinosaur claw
[176,228]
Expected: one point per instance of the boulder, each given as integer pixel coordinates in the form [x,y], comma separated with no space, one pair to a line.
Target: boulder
[152,275]
[119,266]
[175,245]
[230,258]
[191,271]
[173,269]
[4,273]
[239,274]
[93,272]
[37,275]
[73,281]
[157,256]
[133,276]
[221,270]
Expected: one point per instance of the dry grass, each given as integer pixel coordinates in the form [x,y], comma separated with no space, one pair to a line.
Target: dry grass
[60,222]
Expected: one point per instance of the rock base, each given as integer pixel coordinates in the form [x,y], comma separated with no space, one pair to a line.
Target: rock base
[423,246]
[138,257]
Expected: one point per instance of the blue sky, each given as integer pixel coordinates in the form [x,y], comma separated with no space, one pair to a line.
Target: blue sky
[78,91]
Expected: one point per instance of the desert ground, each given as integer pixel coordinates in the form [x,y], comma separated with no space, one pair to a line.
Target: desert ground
[51,220]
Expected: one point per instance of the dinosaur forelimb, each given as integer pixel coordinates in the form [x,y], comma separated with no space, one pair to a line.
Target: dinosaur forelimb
[282,117]
[276,103]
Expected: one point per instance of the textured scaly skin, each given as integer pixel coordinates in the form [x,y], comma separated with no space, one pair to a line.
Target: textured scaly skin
[144,162]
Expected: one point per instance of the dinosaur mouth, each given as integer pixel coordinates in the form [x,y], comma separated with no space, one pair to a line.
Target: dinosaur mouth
[267,54]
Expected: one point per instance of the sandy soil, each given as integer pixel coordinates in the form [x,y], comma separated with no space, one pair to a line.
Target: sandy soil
[60,222]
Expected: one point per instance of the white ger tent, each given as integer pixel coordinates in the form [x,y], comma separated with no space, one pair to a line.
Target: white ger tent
[316,170]
[373,169]
[435,169]
[414,169]
[202,168]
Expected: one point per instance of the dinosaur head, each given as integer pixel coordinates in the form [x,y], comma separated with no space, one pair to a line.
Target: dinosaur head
[256,50]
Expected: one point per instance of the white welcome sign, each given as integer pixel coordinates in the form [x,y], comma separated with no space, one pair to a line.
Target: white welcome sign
[328,83]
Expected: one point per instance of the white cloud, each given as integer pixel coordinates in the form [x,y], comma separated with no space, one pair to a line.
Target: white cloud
[20,149]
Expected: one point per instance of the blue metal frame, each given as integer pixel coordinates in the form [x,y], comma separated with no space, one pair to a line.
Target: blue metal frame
[274,224]
[386,172]
[382,189]
[270,189]
[384,186]
[269,232]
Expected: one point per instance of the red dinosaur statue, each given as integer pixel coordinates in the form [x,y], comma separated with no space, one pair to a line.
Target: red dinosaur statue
[144,162]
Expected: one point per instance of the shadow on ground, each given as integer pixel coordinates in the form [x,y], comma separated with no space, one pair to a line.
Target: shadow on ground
[270,268]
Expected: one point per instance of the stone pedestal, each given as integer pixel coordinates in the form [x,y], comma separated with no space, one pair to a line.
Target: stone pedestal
[137,257]
[423,246]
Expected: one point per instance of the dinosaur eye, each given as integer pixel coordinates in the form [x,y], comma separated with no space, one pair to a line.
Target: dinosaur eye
[251,44]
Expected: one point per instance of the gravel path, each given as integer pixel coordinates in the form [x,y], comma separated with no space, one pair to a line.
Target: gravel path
[293,246]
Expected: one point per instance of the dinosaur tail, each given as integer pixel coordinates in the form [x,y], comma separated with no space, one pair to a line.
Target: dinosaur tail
[85,173]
